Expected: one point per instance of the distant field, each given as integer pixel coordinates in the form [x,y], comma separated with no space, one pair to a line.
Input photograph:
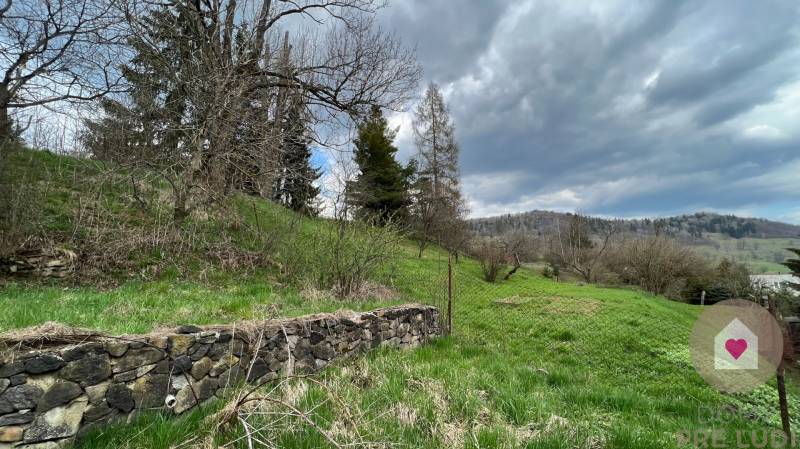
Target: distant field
[760,255]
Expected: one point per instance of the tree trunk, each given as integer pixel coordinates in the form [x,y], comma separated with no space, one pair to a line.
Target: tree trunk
[179,212]
[5,119]
[422,244]
[517,264]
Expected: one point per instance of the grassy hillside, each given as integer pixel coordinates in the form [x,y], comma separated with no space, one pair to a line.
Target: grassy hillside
[759,254]
[532,363]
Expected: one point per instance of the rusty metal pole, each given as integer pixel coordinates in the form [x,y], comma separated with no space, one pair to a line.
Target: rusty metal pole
[449,294]
[780,373]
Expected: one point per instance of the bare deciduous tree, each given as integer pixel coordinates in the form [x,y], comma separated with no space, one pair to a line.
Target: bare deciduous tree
[55,50]
[491,256]
[656,263]
[519,246]
[581,248]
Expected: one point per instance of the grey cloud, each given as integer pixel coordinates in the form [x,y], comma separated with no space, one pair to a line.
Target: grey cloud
[448,34]
[553,96]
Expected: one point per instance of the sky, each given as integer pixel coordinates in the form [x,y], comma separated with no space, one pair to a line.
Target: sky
[615,108]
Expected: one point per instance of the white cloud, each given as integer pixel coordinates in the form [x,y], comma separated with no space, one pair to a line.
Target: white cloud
[404,140]
[792,216]
[764,132]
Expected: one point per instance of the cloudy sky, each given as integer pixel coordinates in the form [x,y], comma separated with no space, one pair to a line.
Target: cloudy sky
[619,108]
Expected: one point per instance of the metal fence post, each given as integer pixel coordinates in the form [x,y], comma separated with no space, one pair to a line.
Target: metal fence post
[449,294]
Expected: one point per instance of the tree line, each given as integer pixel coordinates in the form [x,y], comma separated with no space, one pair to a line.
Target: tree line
[580,247]
[688,227]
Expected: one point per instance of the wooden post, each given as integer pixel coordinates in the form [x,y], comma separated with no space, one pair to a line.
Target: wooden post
[780,375]
[449,294]
[782,401]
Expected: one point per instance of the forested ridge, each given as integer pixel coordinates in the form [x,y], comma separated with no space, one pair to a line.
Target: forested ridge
[692,226]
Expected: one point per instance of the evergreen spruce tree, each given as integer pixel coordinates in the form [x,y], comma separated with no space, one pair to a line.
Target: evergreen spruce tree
[295,187]
[381,189]
[794,265]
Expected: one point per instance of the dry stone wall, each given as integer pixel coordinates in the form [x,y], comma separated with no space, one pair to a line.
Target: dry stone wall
[39,262]
[53,393]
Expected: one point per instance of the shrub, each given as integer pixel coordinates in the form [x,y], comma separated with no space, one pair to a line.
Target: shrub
[491,257]
[658,264]
[727,280]
[344,256]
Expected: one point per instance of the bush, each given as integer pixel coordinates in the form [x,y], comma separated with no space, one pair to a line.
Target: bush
[658,264]
[728,280]
[788,301]
[551,271]
[345,256]
[491,257]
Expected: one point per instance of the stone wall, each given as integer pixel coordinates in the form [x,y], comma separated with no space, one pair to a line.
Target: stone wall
[50,394]
[39,262]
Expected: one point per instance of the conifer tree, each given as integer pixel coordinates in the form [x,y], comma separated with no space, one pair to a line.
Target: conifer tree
[794,265]
[381,189]
[294,186]
[438,206]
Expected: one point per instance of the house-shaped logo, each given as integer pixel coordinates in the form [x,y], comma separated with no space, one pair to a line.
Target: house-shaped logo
[736,347]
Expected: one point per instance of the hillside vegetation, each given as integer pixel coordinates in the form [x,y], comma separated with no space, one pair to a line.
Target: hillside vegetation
[695,225]
[760,255]
[244,258]
[760,244]
[532,363]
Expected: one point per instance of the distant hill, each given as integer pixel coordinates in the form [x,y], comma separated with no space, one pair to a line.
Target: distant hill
[759,243]
[695,226]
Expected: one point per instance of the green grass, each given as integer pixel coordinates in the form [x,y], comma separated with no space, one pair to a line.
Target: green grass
[560,366]
[760,255]
[139,307]
[532,363]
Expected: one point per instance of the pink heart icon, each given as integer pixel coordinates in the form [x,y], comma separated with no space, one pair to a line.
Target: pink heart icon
[736,347]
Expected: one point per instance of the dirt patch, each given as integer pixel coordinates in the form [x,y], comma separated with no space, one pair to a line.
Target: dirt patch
[513,301]
[578,306]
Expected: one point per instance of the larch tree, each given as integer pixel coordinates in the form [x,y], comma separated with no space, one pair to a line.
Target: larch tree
[437,204]
[380,191]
